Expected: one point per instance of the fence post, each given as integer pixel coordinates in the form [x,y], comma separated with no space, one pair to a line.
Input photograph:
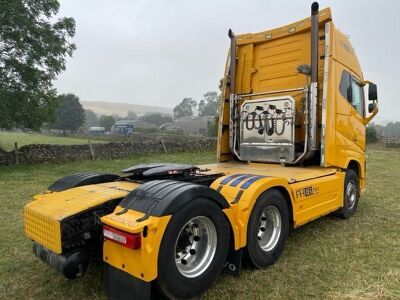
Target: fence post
[163,145]
[16,153]
[91,150]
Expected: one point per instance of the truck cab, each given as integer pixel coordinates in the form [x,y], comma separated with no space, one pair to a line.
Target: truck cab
[291,149]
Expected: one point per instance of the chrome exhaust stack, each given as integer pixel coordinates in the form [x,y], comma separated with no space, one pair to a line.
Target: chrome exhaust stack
[313,107]
[234,115]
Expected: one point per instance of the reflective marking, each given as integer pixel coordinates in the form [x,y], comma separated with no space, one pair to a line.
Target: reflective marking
[237,198]
[240,179]
[229,178]
[250,181]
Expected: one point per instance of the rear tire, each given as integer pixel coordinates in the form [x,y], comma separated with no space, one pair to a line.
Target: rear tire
[267,229]
[351,195]
[193,250]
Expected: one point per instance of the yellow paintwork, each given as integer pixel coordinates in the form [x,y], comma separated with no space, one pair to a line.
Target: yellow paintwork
[329,182]
[345,127]
[267,61]
[42,228]
[42,217]
[290,174]
[141,263]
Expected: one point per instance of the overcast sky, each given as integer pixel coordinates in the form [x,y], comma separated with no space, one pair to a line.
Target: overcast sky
[158,52]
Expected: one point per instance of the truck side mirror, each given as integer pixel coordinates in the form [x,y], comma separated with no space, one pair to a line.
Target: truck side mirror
[372,92]
[371,107]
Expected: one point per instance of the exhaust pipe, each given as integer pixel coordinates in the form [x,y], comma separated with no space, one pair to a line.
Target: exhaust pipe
[313,94]
[72,265]
[232,65]
[234,128]
[314,41]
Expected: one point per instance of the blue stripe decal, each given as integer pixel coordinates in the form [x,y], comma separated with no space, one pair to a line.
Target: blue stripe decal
[250,182]
[240,179]
[229,178]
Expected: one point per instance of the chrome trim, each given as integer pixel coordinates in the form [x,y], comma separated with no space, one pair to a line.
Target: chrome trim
[232,86]
[269,228]
[325,92]
[272,92]
[312,136]
[195,246]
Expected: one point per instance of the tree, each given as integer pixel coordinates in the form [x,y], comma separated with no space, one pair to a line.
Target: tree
[106,122]
[33,50]
[209,105]
[371,134]
[185,108]
[69,115]
[156,119]
[212,128]
[91,119]
[392,129]
[131,115]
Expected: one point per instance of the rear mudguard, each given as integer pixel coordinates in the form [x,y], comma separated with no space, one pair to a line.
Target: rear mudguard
[147,210]
[165,197]
[80,179]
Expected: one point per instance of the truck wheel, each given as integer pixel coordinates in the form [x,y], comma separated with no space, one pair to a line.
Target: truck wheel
[193,250]
[267,229]
[350,195]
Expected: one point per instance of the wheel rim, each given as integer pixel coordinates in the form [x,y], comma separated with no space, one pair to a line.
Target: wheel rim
[269,228]
[351,194]
[195,246]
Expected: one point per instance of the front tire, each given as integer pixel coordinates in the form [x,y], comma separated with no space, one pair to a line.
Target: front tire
[267,229]
[351,195]
[193,250]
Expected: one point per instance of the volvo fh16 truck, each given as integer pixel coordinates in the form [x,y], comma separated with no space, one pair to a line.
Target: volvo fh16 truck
[291,149]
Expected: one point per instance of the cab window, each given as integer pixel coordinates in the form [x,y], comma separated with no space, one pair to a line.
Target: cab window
[357,99]
[352,91]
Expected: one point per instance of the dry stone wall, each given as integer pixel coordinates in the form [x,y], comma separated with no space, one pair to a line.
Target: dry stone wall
[41,153]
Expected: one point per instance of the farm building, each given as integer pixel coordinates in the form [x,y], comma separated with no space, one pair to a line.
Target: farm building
[129,126]
[124,127]
[195,125]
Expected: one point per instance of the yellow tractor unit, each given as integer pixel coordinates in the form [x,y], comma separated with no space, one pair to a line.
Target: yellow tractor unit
[291,149]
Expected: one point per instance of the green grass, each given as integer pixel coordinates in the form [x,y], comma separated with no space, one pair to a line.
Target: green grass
[325,259]
[7,139]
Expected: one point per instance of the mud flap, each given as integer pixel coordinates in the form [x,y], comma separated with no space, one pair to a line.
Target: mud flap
[233,264]
[122,286]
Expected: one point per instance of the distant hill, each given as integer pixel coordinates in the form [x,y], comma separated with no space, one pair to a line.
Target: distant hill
[121,109]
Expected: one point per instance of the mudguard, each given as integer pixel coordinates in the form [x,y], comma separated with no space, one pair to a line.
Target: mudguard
[148,212]
[119,285]
[165,197]
[80,179]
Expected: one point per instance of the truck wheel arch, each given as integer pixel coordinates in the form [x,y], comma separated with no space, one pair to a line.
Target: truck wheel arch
[80,179]
[286,194]
[355,166]
[165,197]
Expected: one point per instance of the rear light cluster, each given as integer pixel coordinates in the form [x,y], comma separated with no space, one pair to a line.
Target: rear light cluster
[129,240]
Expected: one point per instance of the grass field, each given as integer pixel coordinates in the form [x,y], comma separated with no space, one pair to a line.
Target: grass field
[326,259]
[7,139]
